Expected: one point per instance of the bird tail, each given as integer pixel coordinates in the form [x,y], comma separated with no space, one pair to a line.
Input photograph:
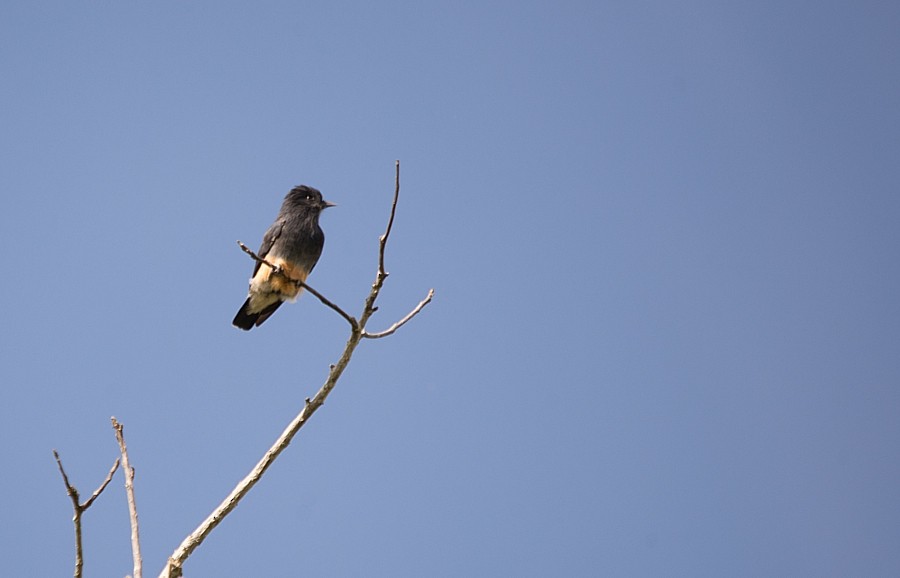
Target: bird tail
[246,319]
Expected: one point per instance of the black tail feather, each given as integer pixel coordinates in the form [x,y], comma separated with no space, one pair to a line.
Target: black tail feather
[245,319]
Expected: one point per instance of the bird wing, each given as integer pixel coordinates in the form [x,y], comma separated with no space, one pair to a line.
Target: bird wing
[268,240]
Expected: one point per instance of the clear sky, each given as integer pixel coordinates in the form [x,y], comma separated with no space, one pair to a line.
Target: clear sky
[665,244]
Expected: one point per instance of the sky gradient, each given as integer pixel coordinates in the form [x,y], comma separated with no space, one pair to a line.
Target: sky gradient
[665,246]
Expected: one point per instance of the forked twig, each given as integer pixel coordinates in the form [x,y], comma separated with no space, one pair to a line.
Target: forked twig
[80,508]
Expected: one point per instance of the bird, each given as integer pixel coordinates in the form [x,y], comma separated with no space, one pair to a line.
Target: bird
[293,244]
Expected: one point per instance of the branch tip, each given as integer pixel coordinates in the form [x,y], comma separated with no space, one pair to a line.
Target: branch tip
[390,330]
[132,504]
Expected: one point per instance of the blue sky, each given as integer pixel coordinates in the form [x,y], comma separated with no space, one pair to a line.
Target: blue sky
[663,239]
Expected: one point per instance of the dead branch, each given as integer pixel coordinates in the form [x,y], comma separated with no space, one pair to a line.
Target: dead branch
[80,508]
[390,330]
[132,505]
[173,568]
[382,241]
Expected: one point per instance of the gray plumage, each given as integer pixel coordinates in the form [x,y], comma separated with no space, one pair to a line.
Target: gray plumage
[294,242]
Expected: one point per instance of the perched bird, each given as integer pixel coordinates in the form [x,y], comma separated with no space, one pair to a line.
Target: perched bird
[293,243]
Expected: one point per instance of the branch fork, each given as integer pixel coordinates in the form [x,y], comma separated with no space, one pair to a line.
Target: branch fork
[80,507]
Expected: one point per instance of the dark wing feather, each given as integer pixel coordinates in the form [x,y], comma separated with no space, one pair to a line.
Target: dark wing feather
[268,240]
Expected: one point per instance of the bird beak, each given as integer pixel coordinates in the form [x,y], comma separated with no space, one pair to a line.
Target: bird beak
[326,204]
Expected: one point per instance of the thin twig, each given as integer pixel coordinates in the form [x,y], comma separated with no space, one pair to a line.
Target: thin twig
[382,242]
[102,486]
[369,306]
[390,330]
[132,505]
[276,270]
[80,508]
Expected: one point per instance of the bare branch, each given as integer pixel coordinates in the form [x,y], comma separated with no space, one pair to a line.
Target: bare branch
[102,486]
[390,330]
[73,493]
[132,505]
[80,508]
[369,307]
[276,270]
[173,568]
[176,561]
[382,242]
